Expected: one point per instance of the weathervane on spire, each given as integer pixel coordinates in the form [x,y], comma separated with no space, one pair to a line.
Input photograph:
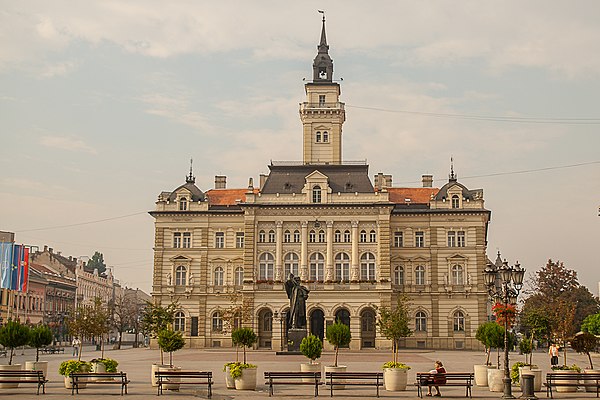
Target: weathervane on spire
[191,178]
[452,176]
[322,12]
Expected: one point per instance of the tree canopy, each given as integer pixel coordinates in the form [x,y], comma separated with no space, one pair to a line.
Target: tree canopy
[97,262]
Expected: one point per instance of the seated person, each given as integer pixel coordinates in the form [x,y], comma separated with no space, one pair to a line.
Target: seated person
[439,369]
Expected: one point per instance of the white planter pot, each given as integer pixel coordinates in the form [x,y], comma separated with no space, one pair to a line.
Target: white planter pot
[339,368]
[481,374]
[247,381]
[69,383]
[565,389]
[37,366]
[495,377]
[308,367]
[174,385]
[13,367]
[98,368]
[537,377]
[395,379]
[229,381]
[155,368]
[590,371]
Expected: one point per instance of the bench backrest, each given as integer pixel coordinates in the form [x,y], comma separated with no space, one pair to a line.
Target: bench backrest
[448,376]
[593,376]
[23,373]
[121,375]
[315,374]
[354,375]
[185,374]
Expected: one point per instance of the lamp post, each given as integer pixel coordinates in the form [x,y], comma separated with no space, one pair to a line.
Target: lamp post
[504,284]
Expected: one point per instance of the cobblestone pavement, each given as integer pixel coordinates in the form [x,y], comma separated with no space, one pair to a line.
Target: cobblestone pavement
[136,363]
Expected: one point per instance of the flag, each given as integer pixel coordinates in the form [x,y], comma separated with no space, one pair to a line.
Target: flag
[24,270]
[14,268]
[5,262]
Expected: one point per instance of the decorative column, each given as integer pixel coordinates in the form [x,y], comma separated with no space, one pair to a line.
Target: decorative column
[304,251]
[329,256]
[354,273]
[278,251]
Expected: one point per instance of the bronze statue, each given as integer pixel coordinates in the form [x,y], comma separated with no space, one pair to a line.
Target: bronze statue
[297,294]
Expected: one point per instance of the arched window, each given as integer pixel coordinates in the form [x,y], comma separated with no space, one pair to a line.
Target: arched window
[316,194]
[459,321]
[267,322]
[218,281]
[317,266]
[420,275]
[367,267]
[399,275]
[363,236]
[238,276]
[325,137]
[337,236]
[455,201]
[180,276]
[262,237]
[347,237]
[296,236]
[458,276]
[372,236]
[318,137]
[367,321]
[265,266]
[342,267]
[312,236]
[217,322]
[287,236]
[271,236]
[321,236]
[179,321]
[420,321]
[290,265]
[183,204]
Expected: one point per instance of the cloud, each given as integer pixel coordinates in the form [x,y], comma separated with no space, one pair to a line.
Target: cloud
[59,69]
[67,143]
[175,107]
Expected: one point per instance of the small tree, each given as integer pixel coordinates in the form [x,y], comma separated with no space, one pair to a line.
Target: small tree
[338,335]
[584,343]
[170,341]
[526,347]
[537,322]
[157,318]
[244,337]
[13,334]
[393,323]
[591,324]
[491,335]
[311,347]
[40,336]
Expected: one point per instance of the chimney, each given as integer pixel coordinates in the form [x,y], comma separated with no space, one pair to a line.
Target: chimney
[220,182]
[382,181]
[427,180]
[45,248]
[262,180]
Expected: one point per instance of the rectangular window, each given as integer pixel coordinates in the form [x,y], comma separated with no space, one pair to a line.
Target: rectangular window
[321,100]
[187,240]
[177,240]
[419,239]
[219,240]
[296,237]
[239,240]
[451,239]
[461,239]
[398,239]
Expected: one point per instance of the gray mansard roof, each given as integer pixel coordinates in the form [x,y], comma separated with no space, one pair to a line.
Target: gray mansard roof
[467,194]
[341,178]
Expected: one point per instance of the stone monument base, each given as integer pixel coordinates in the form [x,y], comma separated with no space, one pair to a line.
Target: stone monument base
[295,337]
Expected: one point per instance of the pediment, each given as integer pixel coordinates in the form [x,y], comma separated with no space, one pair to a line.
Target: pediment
[316,175]
[180,258]
[456,257]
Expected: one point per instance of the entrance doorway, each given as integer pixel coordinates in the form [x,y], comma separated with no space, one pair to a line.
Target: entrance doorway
[317,323]
[367,328]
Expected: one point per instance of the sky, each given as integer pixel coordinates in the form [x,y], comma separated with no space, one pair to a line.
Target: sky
[103,103]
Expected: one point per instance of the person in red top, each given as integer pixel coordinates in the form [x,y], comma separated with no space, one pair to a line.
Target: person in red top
[439,369]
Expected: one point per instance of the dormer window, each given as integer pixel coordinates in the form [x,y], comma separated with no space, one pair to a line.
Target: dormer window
[316,194]
[455,201]
[183,204]
[318,137]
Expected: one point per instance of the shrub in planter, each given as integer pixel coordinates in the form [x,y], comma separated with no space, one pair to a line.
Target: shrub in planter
[585,343]
[40,336]
[244,337]
[311,347]
[68,367]
[170,341]
[338,335]
[110,364]
[573,367]
[13,334]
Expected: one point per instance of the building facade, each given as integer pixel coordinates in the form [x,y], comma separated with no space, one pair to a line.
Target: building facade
[224,254]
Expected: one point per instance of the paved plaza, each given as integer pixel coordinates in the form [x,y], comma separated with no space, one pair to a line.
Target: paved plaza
[136,363]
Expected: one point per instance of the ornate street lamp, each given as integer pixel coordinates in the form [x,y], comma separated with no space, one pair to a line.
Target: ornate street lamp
[504,284]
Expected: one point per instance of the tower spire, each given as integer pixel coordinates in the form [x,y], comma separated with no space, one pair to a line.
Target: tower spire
[323,64]
[452,176]
[191,178]
[323,42]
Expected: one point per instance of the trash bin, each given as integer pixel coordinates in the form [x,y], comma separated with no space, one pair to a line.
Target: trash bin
[527,388]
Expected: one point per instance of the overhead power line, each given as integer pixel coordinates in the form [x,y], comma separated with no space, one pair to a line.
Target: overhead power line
[81,223]
[495,118]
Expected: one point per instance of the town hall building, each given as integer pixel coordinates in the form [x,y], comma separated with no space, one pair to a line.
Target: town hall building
[357,244]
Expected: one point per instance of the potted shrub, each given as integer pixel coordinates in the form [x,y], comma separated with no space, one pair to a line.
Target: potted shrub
[311,347]
[40,336]
[490,335]
[170,341]
[585,343]
[393,324]
[565,369]
[101,365]
[13,334]
[156,318]
[68,367]
[243,373]
[526,368]
[338,335]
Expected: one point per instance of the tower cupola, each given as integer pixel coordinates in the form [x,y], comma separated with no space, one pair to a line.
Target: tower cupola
[323,64]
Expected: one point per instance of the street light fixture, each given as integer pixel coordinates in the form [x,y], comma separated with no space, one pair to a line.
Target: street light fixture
[504,284]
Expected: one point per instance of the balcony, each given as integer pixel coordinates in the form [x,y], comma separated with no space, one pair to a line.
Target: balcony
[321,106]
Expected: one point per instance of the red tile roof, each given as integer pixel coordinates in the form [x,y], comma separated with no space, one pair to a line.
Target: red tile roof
[225,197]
[416,195]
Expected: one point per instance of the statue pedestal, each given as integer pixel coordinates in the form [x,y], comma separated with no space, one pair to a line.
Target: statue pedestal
[295,337]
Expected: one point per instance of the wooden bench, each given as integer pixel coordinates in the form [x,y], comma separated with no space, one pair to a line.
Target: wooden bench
[554,379]
[24,377]
[53,350]
[184,378]
[354,379]
[426,379]
[99,378]
[293,378]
